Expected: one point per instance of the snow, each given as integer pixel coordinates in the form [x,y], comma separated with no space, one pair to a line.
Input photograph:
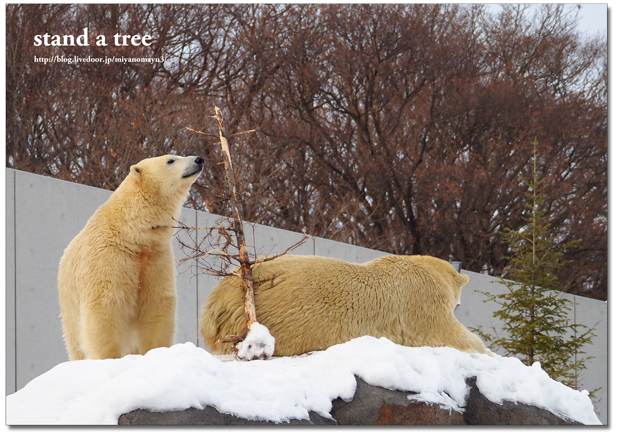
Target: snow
[92,392]
[258,344]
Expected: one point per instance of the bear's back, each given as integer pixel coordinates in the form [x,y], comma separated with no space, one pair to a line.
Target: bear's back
[311,303]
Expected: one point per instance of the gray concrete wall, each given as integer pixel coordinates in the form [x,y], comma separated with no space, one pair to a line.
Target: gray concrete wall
[44,214]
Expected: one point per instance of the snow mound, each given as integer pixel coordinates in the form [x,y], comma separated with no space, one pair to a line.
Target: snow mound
[258,344]
[93,392]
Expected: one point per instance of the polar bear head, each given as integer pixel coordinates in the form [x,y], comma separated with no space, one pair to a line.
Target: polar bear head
[166,178]
[446,273]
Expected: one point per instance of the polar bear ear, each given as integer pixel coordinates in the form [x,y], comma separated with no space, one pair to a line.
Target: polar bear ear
[136,169]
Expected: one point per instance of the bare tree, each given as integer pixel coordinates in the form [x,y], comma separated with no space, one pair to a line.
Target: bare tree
[399,128]
[227,242]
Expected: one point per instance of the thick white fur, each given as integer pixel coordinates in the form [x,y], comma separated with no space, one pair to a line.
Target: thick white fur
[311,303]
[117,277]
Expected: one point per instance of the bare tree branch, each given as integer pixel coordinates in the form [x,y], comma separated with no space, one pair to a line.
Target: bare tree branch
[218,243]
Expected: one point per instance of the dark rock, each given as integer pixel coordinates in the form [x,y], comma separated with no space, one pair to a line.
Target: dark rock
[207,416]
[481,411]
[372,406]
[418,414]
[379,406]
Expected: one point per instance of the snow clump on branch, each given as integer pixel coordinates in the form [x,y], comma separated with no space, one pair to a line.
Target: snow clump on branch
[258,344]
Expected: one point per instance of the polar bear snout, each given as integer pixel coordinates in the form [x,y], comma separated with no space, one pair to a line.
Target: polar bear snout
[194,167]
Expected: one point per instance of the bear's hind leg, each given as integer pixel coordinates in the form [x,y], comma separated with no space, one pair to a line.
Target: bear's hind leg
[103,336]
[157,304]
[69,311]
[74,348]
[465,340]
[72,343]
[156,323]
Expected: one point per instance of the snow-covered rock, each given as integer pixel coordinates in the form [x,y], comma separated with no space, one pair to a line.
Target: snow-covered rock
[281,389]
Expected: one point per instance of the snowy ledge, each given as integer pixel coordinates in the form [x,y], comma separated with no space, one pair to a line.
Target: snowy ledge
[184,376]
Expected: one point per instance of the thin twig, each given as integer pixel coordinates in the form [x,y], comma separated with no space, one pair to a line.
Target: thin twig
[201,133]
[286,251]
[244,132]
[232,338]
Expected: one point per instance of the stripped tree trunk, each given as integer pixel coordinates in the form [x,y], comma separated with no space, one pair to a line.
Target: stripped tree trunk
[219,242]
[246,268]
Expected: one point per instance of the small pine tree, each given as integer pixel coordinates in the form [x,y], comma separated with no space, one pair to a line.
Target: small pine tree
[536,318]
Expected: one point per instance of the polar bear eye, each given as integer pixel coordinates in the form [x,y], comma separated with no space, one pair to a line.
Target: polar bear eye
[171,161]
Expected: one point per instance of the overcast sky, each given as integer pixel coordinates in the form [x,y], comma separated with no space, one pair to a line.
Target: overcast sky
[592,16]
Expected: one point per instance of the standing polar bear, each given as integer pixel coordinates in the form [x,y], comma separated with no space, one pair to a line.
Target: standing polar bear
[311,303]
[117,278]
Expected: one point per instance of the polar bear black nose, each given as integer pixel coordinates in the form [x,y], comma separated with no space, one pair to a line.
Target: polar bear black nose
[199,160]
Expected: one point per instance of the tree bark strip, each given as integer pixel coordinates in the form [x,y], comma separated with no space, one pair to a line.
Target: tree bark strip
[246,269]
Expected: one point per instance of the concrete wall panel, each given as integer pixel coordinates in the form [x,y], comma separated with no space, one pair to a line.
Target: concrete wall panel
[187,283]
[206,282]
[265,240]
[48,214]
[593,313]
[10,281]
[346,252]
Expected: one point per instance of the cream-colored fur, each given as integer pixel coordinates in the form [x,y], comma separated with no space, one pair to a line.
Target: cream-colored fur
[311,303]
[117,277]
